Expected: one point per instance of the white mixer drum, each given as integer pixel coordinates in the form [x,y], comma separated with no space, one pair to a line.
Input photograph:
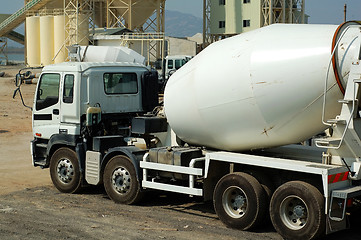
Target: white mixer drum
[259,89]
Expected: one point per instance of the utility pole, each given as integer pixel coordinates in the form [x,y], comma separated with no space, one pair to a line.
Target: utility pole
[344,12]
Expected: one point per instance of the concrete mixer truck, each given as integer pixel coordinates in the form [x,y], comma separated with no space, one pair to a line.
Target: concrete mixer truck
[229,129]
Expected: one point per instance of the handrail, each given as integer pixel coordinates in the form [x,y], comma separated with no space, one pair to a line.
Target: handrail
[327,76]
[348,121]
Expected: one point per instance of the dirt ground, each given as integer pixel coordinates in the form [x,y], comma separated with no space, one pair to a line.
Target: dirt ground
[31,208]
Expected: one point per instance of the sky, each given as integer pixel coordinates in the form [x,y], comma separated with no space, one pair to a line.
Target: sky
[320,11]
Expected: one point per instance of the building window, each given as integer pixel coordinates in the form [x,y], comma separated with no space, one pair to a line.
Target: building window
[222,2]
[246,1]
[222,24]
[246,23]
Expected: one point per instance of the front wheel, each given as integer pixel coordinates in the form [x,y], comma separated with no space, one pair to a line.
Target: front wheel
[64,170]
[121,182]
[240,201]
[297,211]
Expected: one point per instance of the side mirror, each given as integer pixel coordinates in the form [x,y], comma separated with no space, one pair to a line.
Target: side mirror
[18,80]
[27,74]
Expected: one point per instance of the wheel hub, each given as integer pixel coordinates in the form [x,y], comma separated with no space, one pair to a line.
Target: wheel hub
[235,202]
[239,201]
[293,212]
[121,180]
[65,170]
[299,211]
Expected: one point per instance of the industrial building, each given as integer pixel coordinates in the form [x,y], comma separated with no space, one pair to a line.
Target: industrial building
[138,24]
[68,22]
[224,18]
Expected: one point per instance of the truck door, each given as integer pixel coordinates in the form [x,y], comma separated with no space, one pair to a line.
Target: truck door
[47,106]
[69,104]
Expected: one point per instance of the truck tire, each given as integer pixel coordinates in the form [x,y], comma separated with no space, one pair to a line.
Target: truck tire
[64,170]
[265,182]
[297,211]
[240,201]
[121,182]
[269,188]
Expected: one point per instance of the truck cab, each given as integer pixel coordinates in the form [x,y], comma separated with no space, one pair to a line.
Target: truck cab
[173,63]
[75,102]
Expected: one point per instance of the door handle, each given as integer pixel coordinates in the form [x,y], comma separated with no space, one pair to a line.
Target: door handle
[56,111]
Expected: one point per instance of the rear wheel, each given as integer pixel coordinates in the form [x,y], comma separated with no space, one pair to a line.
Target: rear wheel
[240,201]
[297,211]
[64,170]
[121,182]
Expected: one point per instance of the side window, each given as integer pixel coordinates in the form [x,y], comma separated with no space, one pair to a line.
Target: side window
[170,64]
[68,88]
[120,83]
[48,91]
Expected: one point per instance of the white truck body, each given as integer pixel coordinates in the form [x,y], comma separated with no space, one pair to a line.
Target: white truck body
[230,125]
[260,89]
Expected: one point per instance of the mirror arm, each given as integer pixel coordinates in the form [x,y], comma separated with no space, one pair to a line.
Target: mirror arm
[21,96]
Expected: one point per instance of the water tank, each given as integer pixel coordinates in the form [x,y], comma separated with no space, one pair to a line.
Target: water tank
[60,52]
[260,89]
[33,41]
[46,40]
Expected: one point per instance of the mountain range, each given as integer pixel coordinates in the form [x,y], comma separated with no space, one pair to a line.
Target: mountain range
[179,24]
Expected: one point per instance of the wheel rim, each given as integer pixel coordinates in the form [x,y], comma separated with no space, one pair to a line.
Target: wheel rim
[65,171]
[235,202]
[121,180]
[294,212]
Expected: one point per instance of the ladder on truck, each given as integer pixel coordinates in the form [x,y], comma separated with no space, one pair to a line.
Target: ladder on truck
[345,140]
[346,127]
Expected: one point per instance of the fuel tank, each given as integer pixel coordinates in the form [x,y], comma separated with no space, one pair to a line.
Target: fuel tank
[262,88]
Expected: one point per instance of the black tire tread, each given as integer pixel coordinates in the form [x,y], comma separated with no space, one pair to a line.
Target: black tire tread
[257,191]
[73,187]
[315,203]
[135,194]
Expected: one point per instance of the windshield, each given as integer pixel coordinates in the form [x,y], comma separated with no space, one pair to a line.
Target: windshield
[179,63]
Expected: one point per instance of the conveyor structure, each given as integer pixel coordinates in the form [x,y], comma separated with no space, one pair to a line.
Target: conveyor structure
[17,18]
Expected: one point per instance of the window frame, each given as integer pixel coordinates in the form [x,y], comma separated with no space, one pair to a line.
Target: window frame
[41,104]
[178,63]
[222,24]
[246,23]
[170,66]
[66,99]
[117,93]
